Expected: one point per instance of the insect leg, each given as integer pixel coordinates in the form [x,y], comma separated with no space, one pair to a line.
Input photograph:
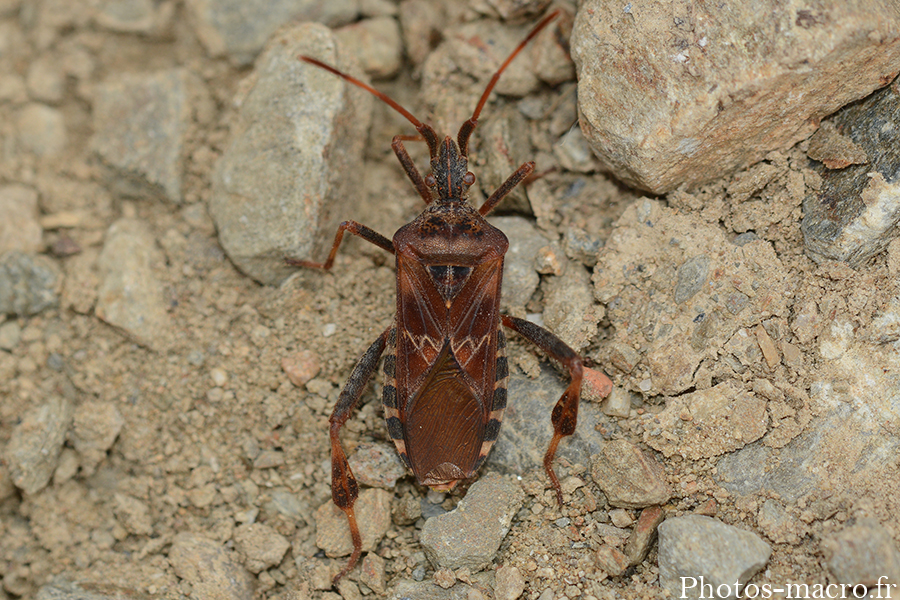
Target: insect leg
[366,233]
[508,185]
[407,163]
[565,413]
[344,489]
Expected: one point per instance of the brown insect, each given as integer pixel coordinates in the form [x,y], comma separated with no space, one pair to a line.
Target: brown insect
[445,369]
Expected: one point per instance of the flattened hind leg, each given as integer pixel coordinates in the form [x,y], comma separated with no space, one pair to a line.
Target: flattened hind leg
[565,413]
[344,488]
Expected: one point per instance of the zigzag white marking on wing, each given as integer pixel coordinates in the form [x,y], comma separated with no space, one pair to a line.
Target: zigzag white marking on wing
[419,341]
[456,345]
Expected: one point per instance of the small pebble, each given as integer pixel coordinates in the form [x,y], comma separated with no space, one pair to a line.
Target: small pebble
[28,283]
[195,358]
[620,517]
[45,81]
[435,497]
[629,477]
[210,569]
[611,560]
[596,385]
[377,44]
[329,329]
[261,546]
[19,226]
[643,534]
[444,578]
[130,295]
[42,130]
[509,583]
[95,429]
[372,573]
[617,404]
[550,260]
[407,510]
[10,334]
[268,459]
[301,367]
[377,465]
[66,468]
[35,444]
[219,377]
[348,589]
[133,514]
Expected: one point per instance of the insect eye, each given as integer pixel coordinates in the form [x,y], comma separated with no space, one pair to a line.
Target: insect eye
[469,179]
[429,180]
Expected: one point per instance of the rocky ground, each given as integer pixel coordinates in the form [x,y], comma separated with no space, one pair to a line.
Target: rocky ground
[163,414]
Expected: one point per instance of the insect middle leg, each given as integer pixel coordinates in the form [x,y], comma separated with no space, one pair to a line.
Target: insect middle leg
[565,413]
[366,233]
[344,488]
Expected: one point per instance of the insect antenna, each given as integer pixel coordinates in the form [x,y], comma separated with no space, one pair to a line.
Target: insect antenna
[426,131]
[469,126]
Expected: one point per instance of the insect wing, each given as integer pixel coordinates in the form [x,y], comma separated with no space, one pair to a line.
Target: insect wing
[445,379]
[426,320]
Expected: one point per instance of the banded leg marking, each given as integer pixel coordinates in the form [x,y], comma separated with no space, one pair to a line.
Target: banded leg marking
[498,401]
[389,397]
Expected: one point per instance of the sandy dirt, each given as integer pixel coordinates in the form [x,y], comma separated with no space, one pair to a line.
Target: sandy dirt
[212,432]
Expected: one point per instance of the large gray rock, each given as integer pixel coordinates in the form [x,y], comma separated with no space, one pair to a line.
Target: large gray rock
[675,93]
[697,551]
[239,29]
[294,160]
[854,215]
[470,535]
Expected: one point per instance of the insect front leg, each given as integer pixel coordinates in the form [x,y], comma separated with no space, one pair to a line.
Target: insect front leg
[565,413]
[344,488]
[409,166]
[511,182]
[366,233]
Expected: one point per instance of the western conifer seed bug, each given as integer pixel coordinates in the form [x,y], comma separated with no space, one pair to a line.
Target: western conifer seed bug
[445,369]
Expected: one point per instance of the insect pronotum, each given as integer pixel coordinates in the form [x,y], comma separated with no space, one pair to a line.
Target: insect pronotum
[445,369]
